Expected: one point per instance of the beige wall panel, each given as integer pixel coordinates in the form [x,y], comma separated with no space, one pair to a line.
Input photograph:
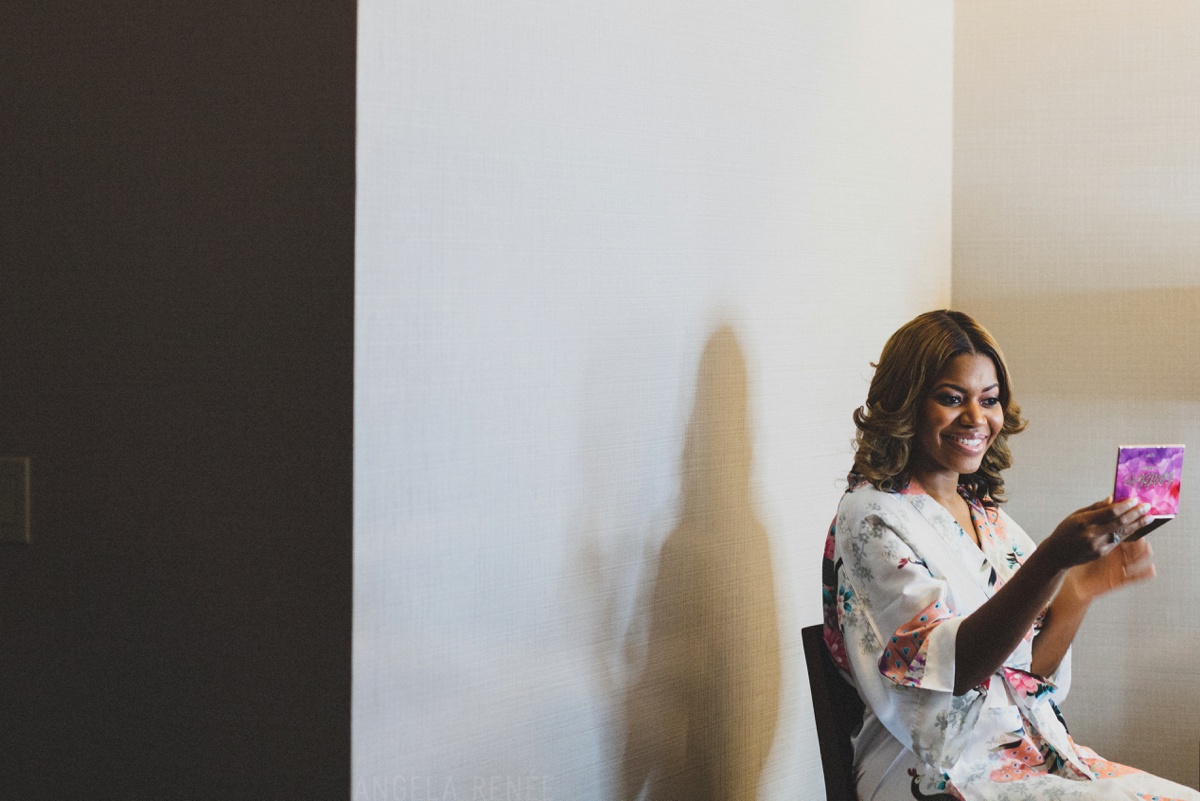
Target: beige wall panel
[1077,242]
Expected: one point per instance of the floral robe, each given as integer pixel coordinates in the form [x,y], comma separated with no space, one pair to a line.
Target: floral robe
[900,575]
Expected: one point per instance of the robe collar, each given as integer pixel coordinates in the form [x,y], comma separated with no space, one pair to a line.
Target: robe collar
[994,560]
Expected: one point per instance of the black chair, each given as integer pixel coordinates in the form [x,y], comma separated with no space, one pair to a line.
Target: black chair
[838,711]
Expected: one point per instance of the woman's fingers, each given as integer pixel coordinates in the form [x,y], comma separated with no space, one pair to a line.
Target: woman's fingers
[1094,531]
[1136,551]
[1150,525]
[1137,556]
[1134,518]
[1121,519]
[1141,573]
[1136,561]
[1131,563]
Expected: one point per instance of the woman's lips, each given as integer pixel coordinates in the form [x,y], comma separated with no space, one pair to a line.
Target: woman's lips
[972,443]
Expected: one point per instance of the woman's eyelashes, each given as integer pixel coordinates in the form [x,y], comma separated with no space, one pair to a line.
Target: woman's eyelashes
[950,399]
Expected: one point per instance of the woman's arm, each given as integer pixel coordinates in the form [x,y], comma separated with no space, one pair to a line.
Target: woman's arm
[993,631]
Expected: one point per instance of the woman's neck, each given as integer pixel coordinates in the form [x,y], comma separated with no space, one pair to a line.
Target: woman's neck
[943,488]
[940,485]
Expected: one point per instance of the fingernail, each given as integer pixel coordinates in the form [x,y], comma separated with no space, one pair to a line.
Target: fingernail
[1144,509]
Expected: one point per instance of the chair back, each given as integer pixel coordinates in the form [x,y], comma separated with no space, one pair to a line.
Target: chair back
[838,711]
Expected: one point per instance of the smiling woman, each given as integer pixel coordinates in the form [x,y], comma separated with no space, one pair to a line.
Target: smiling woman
[913,363]
[960,419]
[954,629]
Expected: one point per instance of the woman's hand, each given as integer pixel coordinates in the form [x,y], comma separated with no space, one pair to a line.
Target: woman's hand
[1124,564]
[1089,531]
[1079,550]
[1089,535]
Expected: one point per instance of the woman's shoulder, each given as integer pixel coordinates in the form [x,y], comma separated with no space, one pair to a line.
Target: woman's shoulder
[863,499]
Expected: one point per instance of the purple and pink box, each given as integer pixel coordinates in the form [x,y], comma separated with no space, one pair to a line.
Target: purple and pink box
[1152,474]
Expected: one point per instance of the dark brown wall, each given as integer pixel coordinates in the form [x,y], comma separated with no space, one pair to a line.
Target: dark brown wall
[176,346]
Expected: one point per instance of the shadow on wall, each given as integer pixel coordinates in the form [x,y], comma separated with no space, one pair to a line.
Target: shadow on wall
[700,719]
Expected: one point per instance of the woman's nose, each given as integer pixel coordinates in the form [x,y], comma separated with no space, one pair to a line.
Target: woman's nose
[972,413]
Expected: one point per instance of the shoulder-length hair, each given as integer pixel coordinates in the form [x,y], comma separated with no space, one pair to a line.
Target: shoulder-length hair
[911,361]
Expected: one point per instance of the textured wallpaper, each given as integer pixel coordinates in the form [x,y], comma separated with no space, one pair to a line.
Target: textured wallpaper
[621,268]
[1077,242]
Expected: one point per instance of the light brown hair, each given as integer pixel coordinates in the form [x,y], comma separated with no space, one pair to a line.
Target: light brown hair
[911,361]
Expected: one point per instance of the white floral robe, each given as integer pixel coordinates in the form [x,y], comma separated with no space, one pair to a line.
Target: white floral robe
[900,575]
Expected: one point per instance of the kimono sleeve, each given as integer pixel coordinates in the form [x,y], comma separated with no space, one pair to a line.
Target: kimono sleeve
[899,626]
[1058,683]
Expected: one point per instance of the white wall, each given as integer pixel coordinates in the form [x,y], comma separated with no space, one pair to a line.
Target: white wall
[1076,241]
[621,268]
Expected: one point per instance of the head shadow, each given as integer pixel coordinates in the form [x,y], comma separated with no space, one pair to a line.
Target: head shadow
[700,717]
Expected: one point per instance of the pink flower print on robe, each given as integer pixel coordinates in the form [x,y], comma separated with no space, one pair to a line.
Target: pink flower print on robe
[1026,685]
[1019,759]
[903,659]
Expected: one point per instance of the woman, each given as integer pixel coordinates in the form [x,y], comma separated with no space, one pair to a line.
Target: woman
[954,629]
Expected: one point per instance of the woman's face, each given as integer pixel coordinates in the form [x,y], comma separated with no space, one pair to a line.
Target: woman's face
[960,418]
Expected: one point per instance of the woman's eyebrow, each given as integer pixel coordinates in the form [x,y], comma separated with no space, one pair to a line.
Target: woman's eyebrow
[963,390]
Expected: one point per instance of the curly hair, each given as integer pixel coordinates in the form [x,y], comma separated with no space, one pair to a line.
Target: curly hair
[911,361]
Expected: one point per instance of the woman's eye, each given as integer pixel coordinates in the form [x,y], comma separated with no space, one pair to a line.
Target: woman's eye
[990,402]
[948,400]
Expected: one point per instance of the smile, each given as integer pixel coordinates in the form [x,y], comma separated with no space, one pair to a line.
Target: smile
[971,443]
